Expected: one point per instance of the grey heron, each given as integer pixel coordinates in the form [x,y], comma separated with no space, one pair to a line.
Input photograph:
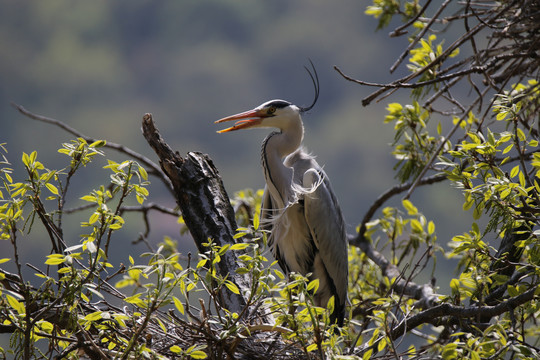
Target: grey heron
[307,230]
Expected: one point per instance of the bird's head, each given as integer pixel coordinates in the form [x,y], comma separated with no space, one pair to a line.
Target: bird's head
[279,114]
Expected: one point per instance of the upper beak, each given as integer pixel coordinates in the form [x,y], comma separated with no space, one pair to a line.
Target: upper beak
[246,119]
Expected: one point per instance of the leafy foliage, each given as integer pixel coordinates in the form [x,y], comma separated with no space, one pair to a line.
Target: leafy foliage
[171,305]
[78,300]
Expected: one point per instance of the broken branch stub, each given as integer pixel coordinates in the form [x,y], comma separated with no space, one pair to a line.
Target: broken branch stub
[205,207]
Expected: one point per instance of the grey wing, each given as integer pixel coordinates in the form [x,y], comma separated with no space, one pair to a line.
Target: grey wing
[325,221]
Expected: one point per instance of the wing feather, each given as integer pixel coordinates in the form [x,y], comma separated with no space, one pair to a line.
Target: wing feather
[325,221]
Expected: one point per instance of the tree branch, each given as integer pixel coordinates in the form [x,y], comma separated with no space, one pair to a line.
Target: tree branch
[154,168]
[205,206]
[431,315]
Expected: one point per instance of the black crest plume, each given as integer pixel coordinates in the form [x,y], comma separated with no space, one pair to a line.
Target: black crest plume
[315,79]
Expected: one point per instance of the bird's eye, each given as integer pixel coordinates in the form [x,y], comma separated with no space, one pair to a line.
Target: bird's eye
[271,110]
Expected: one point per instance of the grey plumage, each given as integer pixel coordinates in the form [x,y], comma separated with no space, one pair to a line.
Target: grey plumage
[307,231]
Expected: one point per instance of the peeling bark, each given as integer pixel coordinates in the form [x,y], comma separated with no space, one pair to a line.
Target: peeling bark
[205,206]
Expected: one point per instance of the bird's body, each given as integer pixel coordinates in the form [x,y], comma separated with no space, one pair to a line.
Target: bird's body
[307,236]
[299,208]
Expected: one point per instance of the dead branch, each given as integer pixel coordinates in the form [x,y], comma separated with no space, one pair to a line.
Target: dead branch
[205,206]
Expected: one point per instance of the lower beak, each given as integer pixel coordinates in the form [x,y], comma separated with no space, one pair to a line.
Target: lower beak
[245,119]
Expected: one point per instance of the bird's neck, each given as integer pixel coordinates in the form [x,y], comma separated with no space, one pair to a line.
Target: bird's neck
[279,177]
[286,141]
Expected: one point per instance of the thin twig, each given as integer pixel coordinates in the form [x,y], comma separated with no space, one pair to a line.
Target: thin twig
[420,34]
[154,168]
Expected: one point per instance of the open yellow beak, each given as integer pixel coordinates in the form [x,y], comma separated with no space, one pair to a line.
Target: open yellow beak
[245,119]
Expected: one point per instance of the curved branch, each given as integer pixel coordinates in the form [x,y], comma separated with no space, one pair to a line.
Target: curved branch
[205,206]
[420,34]
[423,293]
[154,168]
[434,314]
[397,189]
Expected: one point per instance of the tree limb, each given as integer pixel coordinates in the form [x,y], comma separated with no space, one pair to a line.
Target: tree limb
[154,168]
[205,206]
[444,310]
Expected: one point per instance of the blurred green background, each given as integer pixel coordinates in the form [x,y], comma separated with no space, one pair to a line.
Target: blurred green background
[100,65]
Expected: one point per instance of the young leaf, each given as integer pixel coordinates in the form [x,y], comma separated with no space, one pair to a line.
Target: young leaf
[411,209]
[18,306]
[178,304]
[198,354]
[94,316]
[52,188]
[55,259]
[239,246]
[232,287]
[176,349]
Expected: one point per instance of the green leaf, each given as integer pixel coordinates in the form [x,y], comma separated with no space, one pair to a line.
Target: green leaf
[176,349]
[522,180]
[449,351]
[279,274]
[46,326]
[431,228]
[367,354]
[93,218]
[178,304]
[143,173]
[98,143]
[508,148]
[521,134]
[331,304]
[468,204]
[239,246]
[256,221]
[135,299]
[501,115]
[416,226]
[198,354]
[232,287]
[394,108]
[116,226]
[55,259]
[514,171]
[242,271]
[33,156]
[238,235]
[95,292]
[52,188]
[411,209]
[89,198]
[94,316]
[123,283]
[26,159]
[18,306]
[454,284]
[313,285]
[382,345]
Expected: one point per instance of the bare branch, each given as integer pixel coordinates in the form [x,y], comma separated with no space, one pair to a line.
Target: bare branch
[153,167]
[205,206]
[434,314]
